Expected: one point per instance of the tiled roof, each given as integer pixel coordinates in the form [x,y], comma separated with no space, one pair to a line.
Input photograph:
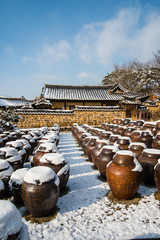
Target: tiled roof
[13,102]
[85,93]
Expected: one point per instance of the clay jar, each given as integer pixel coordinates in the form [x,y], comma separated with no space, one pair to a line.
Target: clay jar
[128,131]
[5,173]
[74,128]
[123,142]
[115,129]
[40,191]
[15,184]
[10,220]
[113,138]
[95,151]
[43,148]
[121,130]
[157,175]
[131,124]
[156,141]
[12,156]
[31,141]
[26,147]
[91,144]
[85,142]
[139,123]
[105,135]
[148,126]
[148,159]
[146,137]
[134,135]
[82,138]
[126,121]
[57,163]
[124,175]
[104,157]
[137,148]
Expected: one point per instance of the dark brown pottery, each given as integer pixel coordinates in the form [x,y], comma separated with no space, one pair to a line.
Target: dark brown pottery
[40,197]
[95,151]
[5,173]
[128,131]
[121,130]
[123,142]
[148,159]
[157,175]
[134,135]
[123,175]
[146,137]
[139,122]
[105,135]
[137,148]
[91,144]
[113,138]
[156,141]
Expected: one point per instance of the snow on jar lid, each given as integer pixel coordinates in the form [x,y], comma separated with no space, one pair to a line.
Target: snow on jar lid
[29,138]
[151,152]
[111,148]
[5,169]
[47,147]
[10,219]
[18,176]
[25,143]
[1,185]
[15,144]
[39,175]
[54,158]
[8,152]
[137,146]
[124,158]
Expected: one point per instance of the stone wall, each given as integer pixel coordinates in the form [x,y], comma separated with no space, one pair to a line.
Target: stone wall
[89,115]
[154,111]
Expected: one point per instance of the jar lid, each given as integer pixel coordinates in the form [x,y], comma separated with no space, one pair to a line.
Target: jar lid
[124,158]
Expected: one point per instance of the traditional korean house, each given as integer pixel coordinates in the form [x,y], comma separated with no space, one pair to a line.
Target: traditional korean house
[13,102]
[67,97]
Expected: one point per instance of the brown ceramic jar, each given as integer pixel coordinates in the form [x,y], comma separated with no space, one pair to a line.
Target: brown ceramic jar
[95,151]
[57,163]
[134,135]
[123,142]
[129,131]
[115,129]
[131,124]
[5,173]
[146,137]
[40,191]
[82,138]
[105,135]
[44,148]
[124,175]
[156,141]
[12,156]
[91,144]
[85,142]
[104,157]
[126,121]
[139,123]
[121,130]
[137,148]
[148,159]
[113,138]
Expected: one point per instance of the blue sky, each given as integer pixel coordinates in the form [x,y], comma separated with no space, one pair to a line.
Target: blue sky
[72,42]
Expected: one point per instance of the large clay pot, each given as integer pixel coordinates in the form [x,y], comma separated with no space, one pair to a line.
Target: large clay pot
[43,148]
[123,142]
[82,138]
[91,144]
[146,137]
[134,135]
[95,151]
[113,138]
[148,159]
[104,157]
[85,142]
[156,141]
[57,162]
[15,184]
[137,148]
[12,226]
[157,175]
[124,175]
[40,191]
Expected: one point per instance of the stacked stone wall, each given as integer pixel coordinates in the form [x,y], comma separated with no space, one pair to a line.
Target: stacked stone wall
[37,119]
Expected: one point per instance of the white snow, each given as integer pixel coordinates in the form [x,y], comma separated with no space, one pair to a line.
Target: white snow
[9,151]
[126,152]
[114,148]
[6,169]
[54,158]
[18,176]
[39,175]
[15,144]
[152,151]
[47,147]
[138,166]
[15,158]
[10,219]
[63,170]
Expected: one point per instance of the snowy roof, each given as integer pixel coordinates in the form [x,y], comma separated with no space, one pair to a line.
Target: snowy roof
[13,102]
[87,93]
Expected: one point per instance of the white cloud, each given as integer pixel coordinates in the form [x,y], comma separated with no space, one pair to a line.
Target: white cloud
[86,75]
[49,53]
[120,38]
[9,51]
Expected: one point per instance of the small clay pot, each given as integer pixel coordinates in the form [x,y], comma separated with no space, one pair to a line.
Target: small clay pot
[95,151]
[40,191]
[137,148]
[139,123]
[156,141]
[113,138]
[104,157]
[123,142]
[148,159]
[57,163]
[105,135]
[131,124]
[115,129]
[91,144]
[126,121]
[146,137]
[128,131]
[121,130]
[124,175]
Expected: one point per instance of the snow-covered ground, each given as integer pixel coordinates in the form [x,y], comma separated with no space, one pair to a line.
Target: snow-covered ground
[85,212]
